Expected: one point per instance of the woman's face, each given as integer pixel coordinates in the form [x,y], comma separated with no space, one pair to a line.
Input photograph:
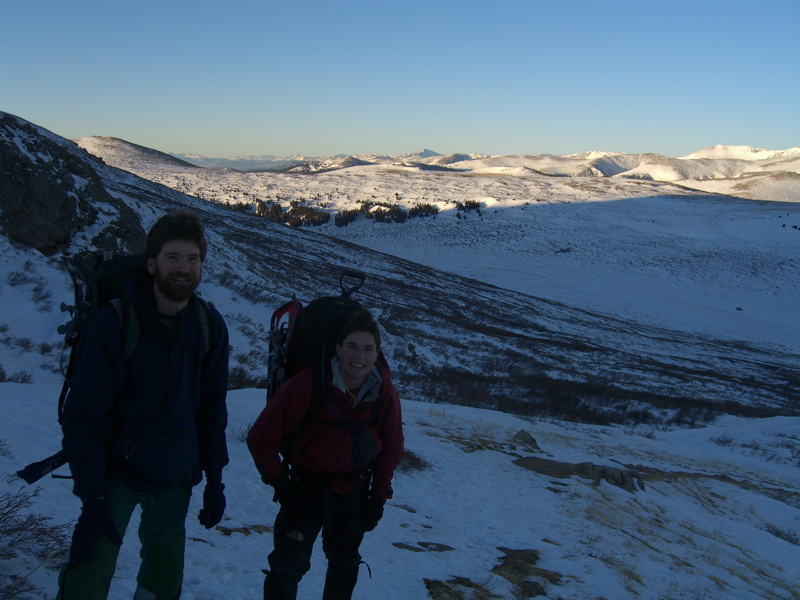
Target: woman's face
[357,355]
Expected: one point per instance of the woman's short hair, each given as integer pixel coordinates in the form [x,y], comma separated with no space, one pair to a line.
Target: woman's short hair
[361,321]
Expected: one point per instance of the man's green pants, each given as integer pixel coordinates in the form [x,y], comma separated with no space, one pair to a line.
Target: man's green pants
[162,534]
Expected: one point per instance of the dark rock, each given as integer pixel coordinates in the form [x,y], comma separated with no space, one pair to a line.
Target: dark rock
[526,439]
[50,190]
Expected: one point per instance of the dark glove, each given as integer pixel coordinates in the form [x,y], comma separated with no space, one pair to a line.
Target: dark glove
[213,501]
[95,522]
[284,489]
[372,512]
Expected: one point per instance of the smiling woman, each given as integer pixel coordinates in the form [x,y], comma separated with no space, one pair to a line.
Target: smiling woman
[328,442]
[357,355]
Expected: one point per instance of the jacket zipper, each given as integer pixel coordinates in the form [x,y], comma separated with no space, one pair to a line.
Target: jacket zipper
[167,382]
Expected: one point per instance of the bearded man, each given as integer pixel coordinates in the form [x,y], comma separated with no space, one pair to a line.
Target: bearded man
[144,431]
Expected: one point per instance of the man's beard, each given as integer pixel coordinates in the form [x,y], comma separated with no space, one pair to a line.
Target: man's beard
[176,287]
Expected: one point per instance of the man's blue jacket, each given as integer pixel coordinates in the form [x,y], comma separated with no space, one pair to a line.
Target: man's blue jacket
[157,421]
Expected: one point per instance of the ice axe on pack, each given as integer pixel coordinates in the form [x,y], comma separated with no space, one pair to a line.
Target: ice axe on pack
[35,471]
[357,275]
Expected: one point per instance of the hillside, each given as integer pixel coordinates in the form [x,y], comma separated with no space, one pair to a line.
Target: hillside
[563,239]
[450,338]
[593,458]
[730,244]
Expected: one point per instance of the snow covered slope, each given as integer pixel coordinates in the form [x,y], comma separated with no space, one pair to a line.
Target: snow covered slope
[652,251]
[594,297]
[559,296]
[712,513]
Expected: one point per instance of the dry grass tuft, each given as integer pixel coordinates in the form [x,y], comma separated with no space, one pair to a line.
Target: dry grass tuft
[413,462]
[459,588]
[244,530]
[623,566]
[519,568]
[440,590]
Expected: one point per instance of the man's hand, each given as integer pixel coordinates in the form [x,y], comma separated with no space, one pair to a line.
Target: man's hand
[95,522]
[213,502]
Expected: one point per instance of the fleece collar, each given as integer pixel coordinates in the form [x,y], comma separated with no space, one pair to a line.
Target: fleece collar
[369,390]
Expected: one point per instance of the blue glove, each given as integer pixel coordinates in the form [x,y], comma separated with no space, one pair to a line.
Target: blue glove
[95,522]
[213,501]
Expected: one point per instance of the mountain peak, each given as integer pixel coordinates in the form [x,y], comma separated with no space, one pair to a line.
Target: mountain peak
[424,153]
[721,151]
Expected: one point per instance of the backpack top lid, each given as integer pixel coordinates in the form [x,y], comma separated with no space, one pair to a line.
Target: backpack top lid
[94,288]
[111,276]
[305,336]
[318,324]
[316,330]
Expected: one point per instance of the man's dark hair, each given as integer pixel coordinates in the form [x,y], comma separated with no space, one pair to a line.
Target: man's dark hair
[361,321]
[179,224]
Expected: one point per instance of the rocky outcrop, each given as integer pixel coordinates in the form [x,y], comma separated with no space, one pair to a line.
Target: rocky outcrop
[50,190]
[624,478]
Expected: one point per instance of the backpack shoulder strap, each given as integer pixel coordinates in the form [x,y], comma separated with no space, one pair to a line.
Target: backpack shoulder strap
[129,326]
[204,316]
[129,333]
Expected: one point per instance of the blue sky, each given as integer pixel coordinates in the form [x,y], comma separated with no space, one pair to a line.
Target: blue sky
[316,78]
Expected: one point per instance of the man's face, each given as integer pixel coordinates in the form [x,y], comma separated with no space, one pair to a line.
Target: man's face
[177,269]
[357,356]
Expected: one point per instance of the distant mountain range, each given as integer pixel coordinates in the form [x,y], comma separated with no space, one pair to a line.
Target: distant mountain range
[741,171]
[272,163]
[593,163]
